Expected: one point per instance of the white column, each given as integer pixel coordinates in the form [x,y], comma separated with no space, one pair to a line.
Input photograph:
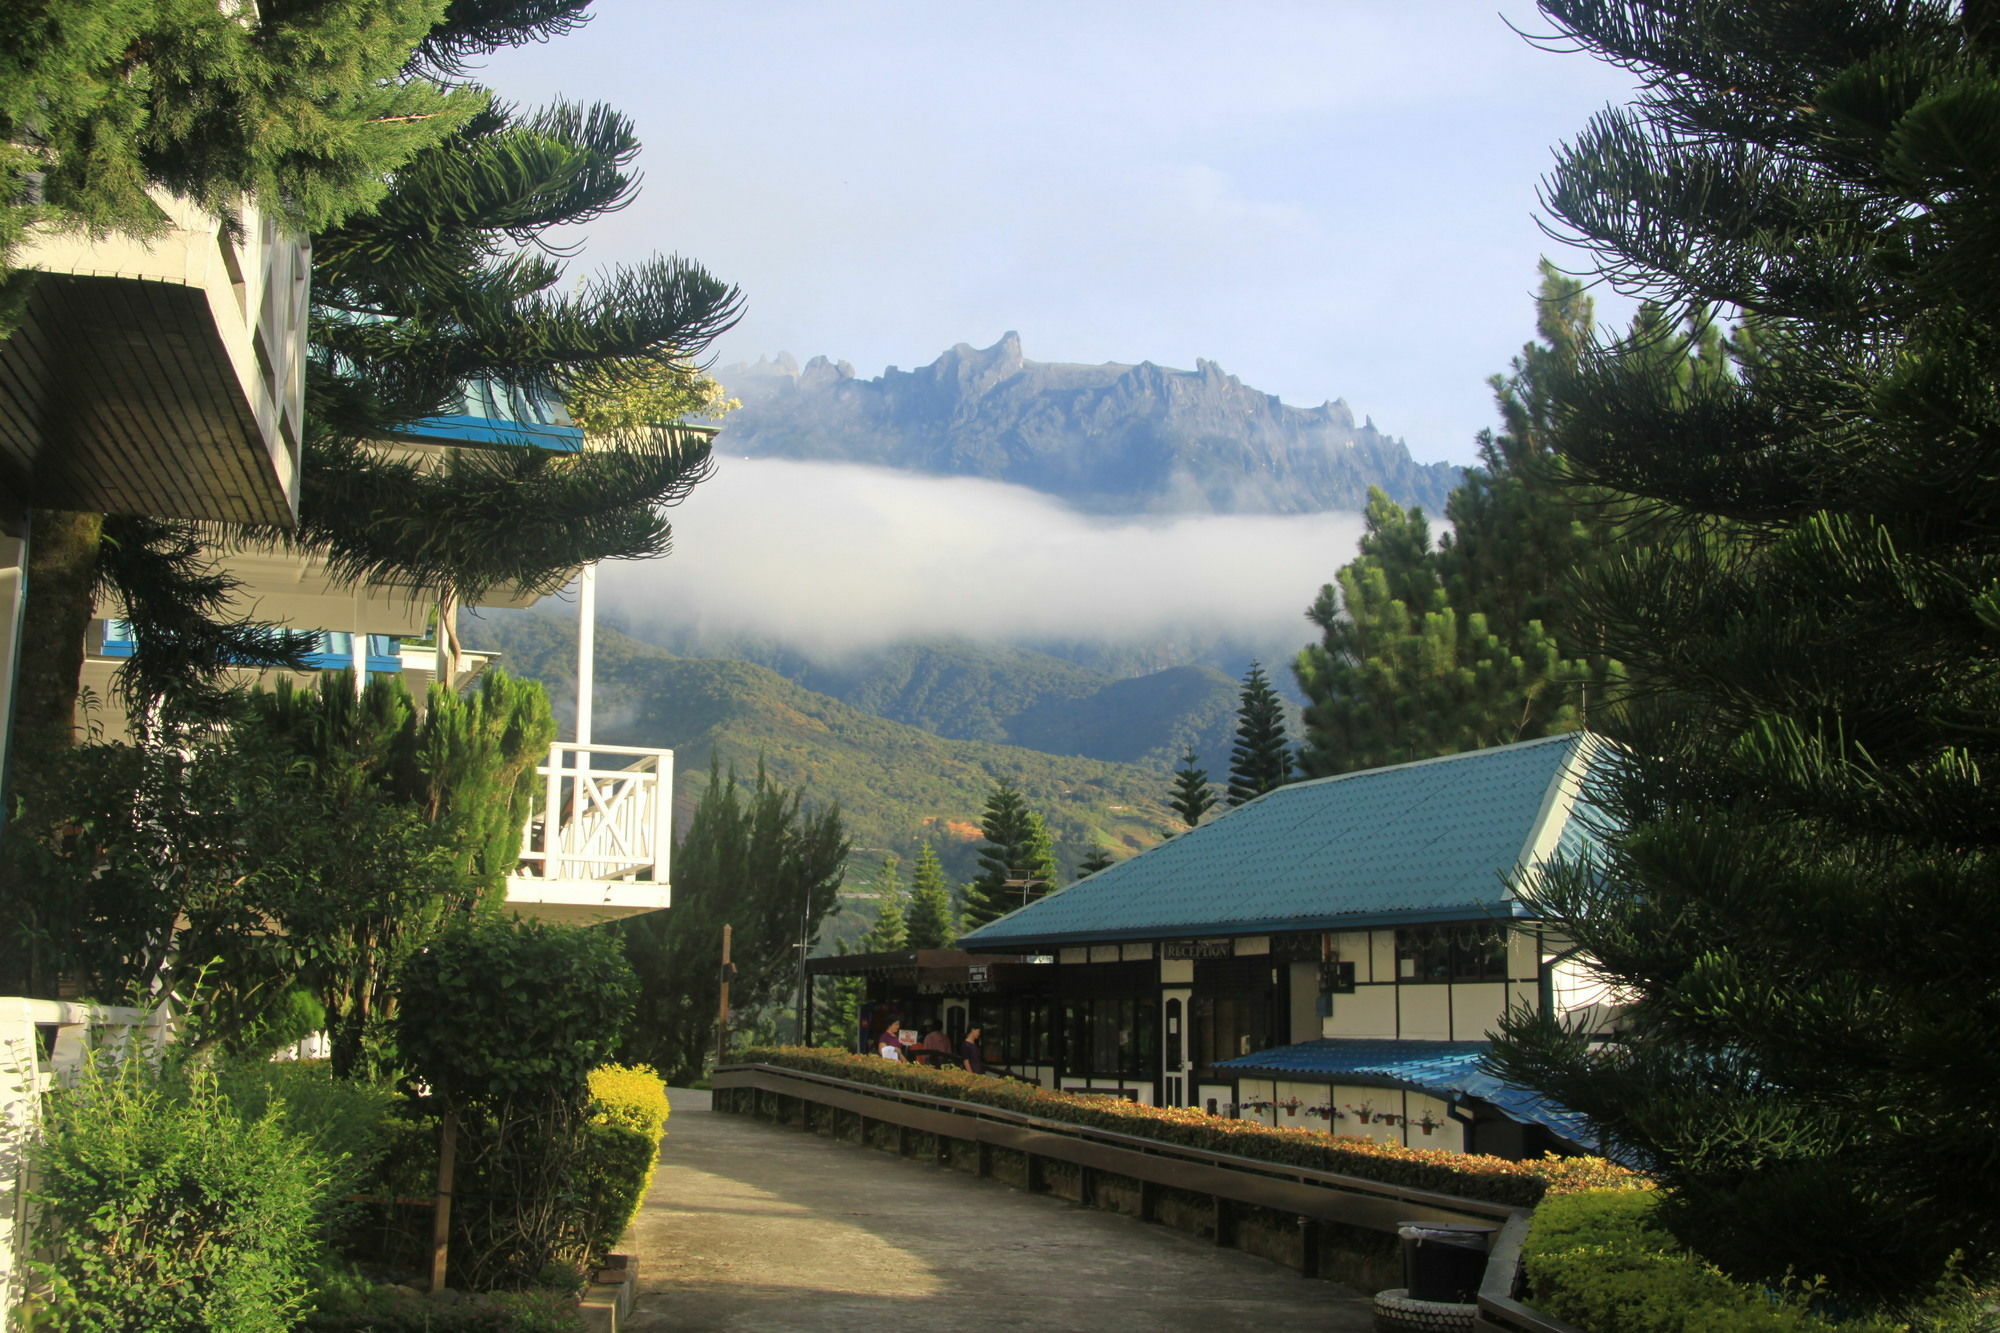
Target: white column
[447,641]
[586,651]
[357,648]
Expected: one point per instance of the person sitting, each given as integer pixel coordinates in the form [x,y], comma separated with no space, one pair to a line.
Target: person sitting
[935,1048]
[971,1053]
[892,1041]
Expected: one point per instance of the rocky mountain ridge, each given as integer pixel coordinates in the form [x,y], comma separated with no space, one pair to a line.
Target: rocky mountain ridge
[1109,439]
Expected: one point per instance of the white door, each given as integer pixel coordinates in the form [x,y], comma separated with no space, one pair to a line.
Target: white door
[1174,1015]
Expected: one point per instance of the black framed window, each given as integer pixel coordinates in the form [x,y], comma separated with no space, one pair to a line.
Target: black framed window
[1018,1031]
[1459,951]
[1111,1037]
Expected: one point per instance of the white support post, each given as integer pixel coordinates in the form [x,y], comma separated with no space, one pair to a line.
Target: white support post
[447,641]
[357,648]
[586,653]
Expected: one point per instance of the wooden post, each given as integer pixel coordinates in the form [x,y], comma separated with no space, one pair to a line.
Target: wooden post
[722,1012]
[441,1214]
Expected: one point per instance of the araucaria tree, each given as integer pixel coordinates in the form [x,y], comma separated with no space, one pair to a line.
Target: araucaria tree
[1261,758]
[1803,904]
[1016,863]
[931,923]
[1193,796]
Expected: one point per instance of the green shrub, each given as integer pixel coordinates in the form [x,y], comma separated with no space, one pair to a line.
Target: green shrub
[505,1020]
[500,1009]
[1599,1260]
[616,1166]
[1521,1184]
[341,1119]
[164,1208]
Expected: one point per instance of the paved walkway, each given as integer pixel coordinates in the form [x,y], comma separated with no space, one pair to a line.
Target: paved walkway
[753,1227]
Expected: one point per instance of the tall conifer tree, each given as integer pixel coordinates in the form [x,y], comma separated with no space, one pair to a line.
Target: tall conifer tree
[932,924]
[1803,904]
[1261,758]
[1016,862]
[1193,797]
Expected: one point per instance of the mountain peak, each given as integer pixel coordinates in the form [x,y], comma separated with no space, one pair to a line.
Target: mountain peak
[1112,438]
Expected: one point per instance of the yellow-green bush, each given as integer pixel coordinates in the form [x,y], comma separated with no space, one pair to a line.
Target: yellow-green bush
[631,1095]
[1597,1260]
[1522,1184]
[628,1118]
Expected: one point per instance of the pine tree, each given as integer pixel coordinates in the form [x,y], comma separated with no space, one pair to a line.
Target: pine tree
[1261,758]
[1802,904]
[1016,862]
[890,929]
[102,99]
[1430,650]
[932,924]
[1095,860]
[1193,796]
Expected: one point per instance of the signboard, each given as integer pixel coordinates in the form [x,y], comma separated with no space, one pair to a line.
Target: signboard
[976,974]
[1192,949]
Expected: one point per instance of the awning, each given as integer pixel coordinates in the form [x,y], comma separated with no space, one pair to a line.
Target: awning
[1449,1070]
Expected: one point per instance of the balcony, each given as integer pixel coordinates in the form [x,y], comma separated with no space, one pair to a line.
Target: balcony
[160,375]
[598,835]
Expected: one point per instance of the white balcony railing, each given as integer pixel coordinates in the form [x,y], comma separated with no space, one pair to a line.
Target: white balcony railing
[598,837]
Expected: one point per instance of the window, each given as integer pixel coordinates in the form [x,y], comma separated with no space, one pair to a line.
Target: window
[1018,1031]
[1111,1037]
[1464,951]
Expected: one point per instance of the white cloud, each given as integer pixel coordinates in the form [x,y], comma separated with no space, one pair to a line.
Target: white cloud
[830,556]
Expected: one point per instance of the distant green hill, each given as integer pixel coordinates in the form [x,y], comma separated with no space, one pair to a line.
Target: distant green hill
[895,783]
[965,689]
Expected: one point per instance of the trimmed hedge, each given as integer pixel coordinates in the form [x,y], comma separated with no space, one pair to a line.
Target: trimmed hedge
[1597,1260]
[1519,1184]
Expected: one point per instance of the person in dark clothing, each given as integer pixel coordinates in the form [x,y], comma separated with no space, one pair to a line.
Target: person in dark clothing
[970,1053]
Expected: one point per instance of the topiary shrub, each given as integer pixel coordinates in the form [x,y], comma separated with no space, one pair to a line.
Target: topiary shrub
[500,1009]
[504,1021]
[163,1207]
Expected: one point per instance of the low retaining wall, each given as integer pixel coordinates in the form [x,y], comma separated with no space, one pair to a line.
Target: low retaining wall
[1322,1224]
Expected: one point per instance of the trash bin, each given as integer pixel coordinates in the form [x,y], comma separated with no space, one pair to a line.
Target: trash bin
[1444,1261]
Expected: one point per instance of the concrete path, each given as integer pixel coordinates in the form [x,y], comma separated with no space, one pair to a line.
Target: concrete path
[753,1227]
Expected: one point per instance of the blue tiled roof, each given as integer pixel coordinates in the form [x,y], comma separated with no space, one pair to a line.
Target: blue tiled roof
[1443,1069]
[1431,840]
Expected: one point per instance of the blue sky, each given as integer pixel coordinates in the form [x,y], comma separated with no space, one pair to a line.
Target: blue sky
[1329,199]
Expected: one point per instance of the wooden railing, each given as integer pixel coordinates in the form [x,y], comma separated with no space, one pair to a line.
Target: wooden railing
[1316,1199]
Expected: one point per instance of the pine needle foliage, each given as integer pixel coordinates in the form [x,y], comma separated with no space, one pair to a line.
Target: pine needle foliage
[304,107]
[1804,900]
[754,857]
[1016,862]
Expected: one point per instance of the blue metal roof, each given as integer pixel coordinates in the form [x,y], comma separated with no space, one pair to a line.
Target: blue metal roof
[489,412]
[1426,841]
[1444,1069]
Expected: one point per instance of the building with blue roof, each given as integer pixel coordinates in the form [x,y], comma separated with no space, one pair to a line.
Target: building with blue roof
[1331,954]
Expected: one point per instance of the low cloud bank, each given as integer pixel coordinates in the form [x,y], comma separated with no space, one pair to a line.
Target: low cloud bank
[834,557]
